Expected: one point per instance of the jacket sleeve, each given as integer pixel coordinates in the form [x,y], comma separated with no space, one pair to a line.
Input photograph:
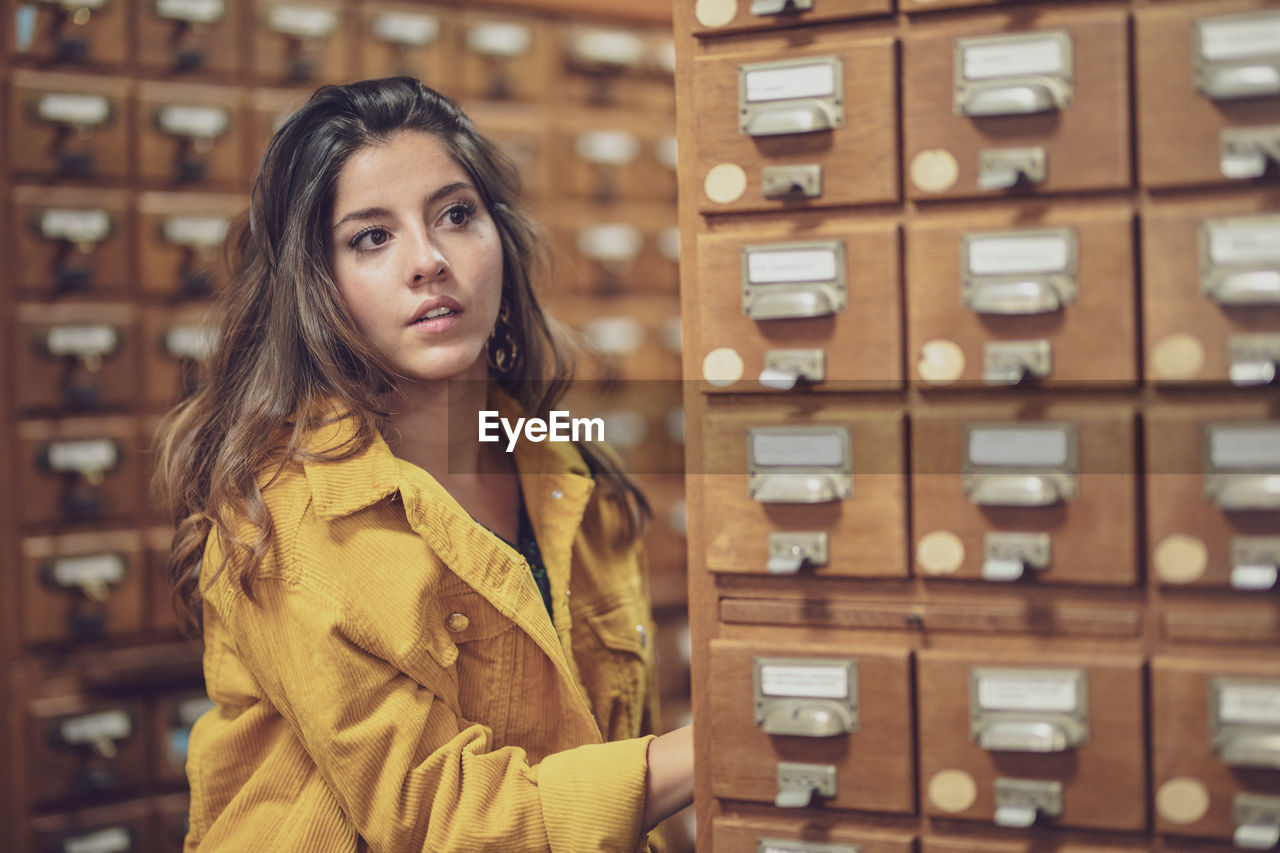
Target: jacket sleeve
[405,768]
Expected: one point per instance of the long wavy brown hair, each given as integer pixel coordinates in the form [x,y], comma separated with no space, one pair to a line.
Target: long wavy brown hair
[288,350]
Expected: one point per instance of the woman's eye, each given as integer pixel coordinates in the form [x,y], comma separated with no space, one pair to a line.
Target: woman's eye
[370,238]
[459,214]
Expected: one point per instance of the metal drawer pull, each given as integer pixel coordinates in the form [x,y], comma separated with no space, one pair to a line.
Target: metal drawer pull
[1015,362]
[798,783]
[1007,168]
[1020,802]
[781,183]
[1242,465]
[786,368]
[1238,56]
[780,7]
[1009,556]
[1255,562]
[1253,359]
[1247,152]
[790,552]
[1257,820]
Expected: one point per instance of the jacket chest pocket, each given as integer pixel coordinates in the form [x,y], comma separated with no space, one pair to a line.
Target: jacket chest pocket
[614,663]
[486,643]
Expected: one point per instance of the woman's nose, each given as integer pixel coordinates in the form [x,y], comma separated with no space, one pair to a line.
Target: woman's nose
[428,261]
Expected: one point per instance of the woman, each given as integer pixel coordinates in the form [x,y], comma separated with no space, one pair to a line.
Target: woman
[391,672]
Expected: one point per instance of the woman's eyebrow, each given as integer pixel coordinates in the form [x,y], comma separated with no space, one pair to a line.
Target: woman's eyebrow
[373,212]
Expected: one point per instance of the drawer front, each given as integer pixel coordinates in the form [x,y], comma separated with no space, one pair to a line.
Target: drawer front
[814,130]
[78,471]
[1212,505]
[302,43]
[773,705]
[401,39]
[82,588]
[1045,297]
[119,828]
[175,714]
[191,136]
[628,337]
[620,249]
[74,128]
[75,357]
[610,157]
[606,67]
[1009,108]
[72,242]
[1025,499]
[830,516]
[1196,124]
[191,39]
[176,343]
[792,308]
[1211,291]
[181,237]
[505,58]
[1084,714]
[83,749]
[1215,724]
[70,37]
[804,835]
[709,17]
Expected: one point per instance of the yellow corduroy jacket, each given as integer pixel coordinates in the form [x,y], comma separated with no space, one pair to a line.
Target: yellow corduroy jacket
[398,685]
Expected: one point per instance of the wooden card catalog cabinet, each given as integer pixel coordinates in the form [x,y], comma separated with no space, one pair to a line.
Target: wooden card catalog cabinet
[85,749]
[181,237]
[118,828]
[402,39]
[821,495]
[176,343]
[1048,299]
[78,470]
[82,587]
[799,727]
[1213,497]
[809,834]
[304,42]
[72,127]
[190,38]
[710,17]
[815,313]
[71,241]
[69,33]
[607,67]
[1208,92]
[1216,737]
[506,58]
[809,130]
[1025,501]
[1212,292]
[75,357]
[1054,740]
[1032,110]
[191,136]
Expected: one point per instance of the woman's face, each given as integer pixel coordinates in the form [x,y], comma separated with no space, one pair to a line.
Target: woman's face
[417,257]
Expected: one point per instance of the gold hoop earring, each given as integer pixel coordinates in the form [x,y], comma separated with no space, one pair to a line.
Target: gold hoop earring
[502,351]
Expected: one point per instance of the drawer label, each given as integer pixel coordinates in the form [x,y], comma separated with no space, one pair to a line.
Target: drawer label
[406,28]
[75,226]
[1011,254]
[84,456]
[302,21]
[92,728]
[1032,691]
[610,242]
[200,122]
[809,450]
[500,39]
[810,80]
[1015,57]
[79,110]
[1250,447]
[197,231]
[81,340]
[607,147]
[1019,446]
[1251,240]
[190,342]
[113,839]
[788,266]
[1235,37]
[194,11]
[1249,703]
[97,569]
[807,682]
[608,47]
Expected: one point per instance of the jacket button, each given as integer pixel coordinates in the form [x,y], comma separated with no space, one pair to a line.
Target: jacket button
[644,636]
[557,494]
[457,622]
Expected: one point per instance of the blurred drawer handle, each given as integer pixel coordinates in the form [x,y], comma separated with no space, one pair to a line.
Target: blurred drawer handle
[190,343]
[94,575]
[302,22]
[1016,74]
[1242,465]
[799,783]
[801,465]
[1257,820]
[1024,736]
[806,697]
[500,39]
[780,7]
[1019,464]
[1240,260]
[91,458]
[1019,802]
[101,731]
[1252,359]
[606,49]
[782,183]
[84,229]
[111,839]
[1244,721]
[1028,710]
[202,124]
[191,11]
[791,96]
[793,280]
[90,344]
[83,112]
[791,845]
[1247,152]
[406,29]
[1007,168]
[1255,562]
[201,233]
[1015,362]
[790,552]
[1009,556]
[786,368]
[1019,272]
[1238,56]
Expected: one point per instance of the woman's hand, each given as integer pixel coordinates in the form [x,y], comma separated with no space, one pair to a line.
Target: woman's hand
[670,781]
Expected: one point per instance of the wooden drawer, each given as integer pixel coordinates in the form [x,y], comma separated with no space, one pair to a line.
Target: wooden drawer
[709,17]
[72,241]
[75,357]
[181,238]
[82,587]
[73,127]
[191,39]
[78,471]
[302,43]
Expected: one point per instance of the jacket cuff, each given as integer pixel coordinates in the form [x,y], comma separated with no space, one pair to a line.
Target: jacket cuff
[593,796]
